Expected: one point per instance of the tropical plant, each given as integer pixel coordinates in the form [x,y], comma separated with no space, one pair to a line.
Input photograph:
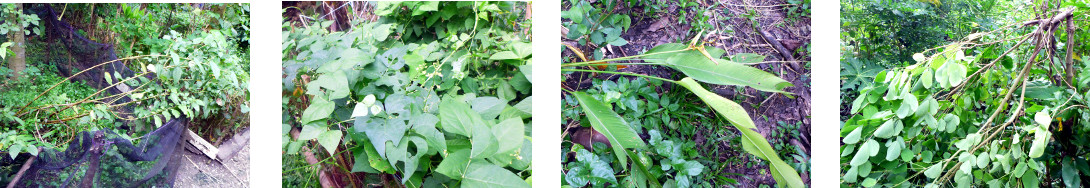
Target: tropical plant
[596,26]
[433,94]
[998,108]
[698,63]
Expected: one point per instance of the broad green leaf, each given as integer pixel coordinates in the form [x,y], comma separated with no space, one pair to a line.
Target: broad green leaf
[752,142]
[933,171]
[483,142]
[457,117]
[853,137]
[14,150]
[504,55]
[694,64]
[382,31]
[509,134]
[611,125]
[319,109]
[380,133]
[893,148]
[890,128]
[927,78]
[956,73]
[402,154]
[109,79]
[454,164]
[859,102]
[1069,173]
[908,105]
[1040,142]
[311,131]
[1042,118]
[330,140]
[490,175]
[488,107]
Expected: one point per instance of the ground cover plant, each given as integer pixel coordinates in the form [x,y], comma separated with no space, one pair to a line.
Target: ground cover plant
[644,107]
[1003,107]
[62,83]
[414,94]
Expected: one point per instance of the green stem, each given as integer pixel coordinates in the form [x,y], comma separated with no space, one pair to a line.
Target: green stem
[587,63]
[620,73]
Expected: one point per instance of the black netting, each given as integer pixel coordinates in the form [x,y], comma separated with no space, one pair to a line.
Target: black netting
[94,154]
[74,53]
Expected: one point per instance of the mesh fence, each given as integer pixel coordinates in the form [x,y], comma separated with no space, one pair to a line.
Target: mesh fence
[100,158]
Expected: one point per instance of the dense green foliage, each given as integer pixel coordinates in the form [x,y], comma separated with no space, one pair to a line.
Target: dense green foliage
[994,108]
[200,73]
[695,61]
[434,93]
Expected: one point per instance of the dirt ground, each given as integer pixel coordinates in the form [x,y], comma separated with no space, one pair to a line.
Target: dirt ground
[730,15]
[197,170]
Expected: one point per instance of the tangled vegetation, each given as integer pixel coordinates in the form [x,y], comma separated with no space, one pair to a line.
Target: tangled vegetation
[193,64]
[415,94]
[625,126]
[1002,108]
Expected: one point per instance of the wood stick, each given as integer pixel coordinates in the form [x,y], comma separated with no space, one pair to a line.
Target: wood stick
[22,170]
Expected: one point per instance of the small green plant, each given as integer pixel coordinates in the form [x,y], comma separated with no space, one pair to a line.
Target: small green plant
[588,24]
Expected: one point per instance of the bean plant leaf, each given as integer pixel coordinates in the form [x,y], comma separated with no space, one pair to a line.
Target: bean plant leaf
[454,164]
[607,122]
[457,117]
[319,109]
[490,175]
[752,142]
[330,139]
[509,134]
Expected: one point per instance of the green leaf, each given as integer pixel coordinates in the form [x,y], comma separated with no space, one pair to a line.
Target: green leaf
[382,31]
[14,150]
[853,137]
[933,171]
[380,133]
[891,128]
[509,134]
[109,79]
[752,142]
[1042,118]
[864,153]
[454,164]
[488,107]
[1069,174]
[457,117]
[927,78]
[908,105]
[893,148]
[311,131]
[319,109]
[490,175]
[401,153]
[483,142]
[1040,142]
[330,140]
[504,55]
[611,125]
[956,73]
[694,64]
